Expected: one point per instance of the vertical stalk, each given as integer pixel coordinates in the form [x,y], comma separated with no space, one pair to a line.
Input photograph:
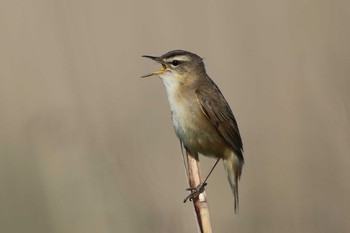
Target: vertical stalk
[200,203]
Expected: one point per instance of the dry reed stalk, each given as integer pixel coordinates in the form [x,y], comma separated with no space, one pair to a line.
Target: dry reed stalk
[200,203]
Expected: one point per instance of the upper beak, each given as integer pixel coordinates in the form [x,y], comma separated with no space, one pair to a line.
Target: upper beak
[157,59]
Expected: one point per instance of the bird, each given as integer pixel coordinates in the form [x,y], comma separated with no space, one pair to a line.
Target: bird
[202,118]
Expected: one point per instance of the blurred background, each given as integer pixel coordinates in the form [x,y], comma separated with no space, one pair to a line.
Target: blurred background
[88,146]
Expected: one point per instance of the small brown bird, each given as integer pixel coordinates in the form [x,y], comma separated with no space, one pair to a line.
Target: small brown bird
[202,118]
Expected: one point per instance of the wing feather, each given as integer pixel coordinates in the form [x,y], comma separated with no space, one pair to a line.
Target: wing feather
[219,114]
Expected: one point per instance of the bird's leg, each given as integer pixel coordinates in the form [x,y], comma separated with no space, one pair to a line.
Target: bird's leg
[200,188]
[196,191]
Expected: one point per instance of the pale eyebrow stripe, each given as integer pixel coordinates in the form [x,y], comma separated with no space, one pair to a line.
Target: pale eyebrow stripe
[179,58]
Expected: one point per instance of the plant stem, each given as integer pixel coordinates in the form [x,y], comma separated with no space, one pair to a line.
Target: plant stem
[200,203]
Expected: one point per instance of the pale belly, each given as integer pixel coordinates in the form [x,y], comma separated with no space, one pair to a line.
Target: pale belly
[190,124]
[196,132]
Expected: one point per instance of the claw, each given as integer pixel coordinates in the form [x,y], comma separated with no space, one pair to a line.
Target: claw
[196,191]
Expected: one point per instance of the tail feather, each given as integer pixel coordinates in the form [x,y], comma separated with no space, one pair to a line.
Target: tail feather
[233,166]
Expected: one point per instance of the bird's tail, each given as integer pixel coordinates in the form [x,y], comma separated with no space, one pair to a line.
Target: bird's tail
[233,166]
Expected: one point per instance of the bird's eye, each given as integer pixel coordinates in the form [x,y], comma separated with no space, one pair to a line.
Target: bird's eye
[175,63]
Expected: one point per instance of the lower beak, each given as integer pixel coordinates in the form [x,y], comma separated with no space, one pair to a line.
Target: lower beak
[157,71]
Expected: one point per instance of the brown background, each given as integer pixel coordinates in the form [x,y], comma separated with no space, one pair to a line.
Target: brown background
[88,146]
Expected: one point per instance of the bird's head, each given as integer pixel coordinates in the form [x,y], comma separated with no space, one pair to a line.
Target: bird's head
[178,66]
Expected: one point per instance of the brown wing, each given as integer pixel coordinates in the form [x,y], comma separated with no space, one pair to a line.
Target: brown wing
[219,113]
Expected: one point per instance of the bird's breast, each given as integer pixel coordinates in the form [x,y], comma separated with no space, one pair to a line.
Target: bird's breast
[191,125]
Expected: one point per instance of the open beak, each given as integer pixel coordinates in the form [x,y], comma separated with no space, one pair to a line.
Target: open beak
[157,71]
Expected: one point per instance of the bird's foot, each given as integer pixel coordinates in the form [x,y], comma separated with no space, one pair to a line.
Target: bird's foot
[195,191]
